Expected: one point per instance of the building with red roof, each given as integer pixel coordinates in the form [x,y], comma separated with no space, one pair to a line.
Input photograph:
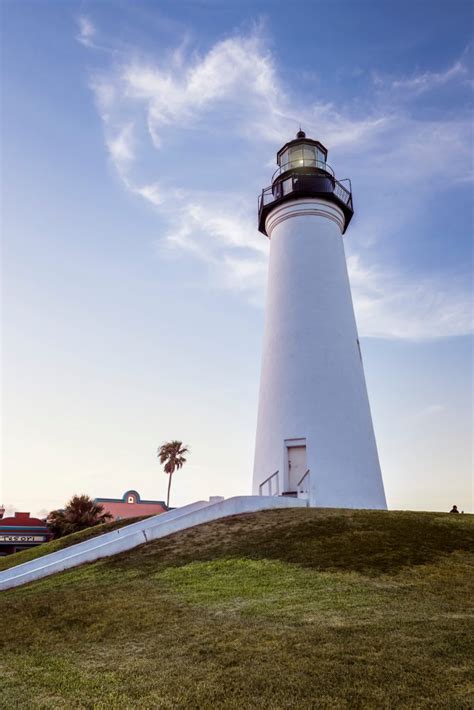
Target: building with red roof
[20,532]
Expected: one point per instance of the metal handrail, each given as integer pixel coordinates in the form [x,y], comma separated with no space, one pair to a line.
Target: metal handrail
[267,480]
[302,479]
[303,163]
[340,190]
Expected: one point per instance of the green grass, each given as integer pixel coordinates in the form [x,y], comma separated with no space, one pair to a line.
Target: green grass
[281,609]
[33,552]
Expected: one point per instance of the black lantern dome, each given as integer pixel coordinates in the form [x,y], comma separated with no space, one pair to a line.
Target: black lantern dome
[303,172]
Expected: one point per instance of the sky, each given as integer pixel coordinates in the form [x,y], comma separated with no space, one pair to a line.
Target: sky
[136,137]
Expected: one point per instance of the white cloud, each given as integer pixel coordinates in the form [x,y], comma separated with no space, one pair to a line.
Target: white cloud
[426,81]
[86,31]
[421,82]
[120,145]
[105,95]
[223,237]
[390,305]
[236,70]
[153,193]
[196,116]
[346,131]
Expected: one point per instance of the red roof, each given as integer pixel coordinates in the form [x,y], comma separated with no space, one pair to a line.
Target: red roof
[23,520]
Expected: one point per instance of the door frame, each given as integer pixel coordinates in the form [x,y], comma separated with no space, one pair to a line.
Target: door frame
[288,444]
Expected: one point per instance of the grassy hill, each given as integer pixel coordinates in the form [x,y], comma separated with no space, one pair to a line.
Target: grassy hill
[280,609]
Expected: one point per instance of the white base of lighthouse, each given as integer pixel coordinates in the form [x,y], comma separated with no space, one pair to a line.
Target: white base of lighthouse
[315,436]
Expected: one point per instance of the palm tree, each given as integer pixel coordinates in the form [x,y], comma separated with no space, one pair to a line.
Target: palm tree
[171,455]
[80,512]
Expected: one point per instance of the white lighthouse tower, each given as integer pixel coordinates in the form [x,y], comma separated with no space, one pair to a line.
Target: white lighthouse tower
[315,437]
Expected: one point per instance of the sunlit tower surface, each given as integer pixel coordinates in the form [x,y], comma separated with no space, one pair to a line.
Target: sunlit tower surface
[315,437]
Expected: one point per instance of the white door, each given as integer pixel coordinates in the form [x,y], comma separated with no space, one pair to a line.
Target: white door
[296,466]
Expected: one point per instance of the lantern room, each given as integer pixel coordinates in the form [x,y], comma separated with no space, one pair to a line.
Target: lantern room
[302,153]
[303,172]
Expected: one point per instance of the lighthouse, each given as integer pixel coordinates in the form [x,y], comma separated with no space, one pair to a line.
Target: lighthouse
[315,437]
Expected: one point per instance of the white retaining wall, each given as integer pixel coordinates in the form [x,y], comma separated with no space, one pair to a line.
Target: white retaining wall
[138,534]
[115,536]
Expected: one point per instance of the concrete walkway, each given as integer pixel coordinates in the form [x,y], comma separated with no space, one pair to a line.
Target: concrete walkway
[140,533]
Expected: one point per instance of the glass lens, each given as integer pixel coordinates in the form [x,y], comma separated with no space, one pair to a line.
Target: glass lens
[284,158]
[295,154]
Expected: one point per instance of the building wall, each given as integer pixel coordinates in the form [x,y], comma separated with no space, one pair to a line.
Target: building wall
[312,383]
[131,506]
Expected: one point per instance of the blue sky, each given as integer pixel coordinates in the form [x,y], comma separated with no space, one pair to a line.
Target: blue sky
[136,137]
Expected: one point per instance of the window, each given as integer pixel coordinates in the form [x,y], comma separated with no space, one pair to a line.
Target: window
[320,156]
[309,154]
[131,499]
[284,158]
[287,186]
[296,155]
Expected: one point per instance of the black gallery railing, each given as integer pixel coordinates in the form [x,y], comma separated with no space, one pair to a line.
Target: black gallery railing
[303,183]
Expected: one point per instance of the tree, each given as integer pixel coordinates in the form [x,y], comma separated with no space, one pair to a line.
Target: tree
[80,512]
[171,455]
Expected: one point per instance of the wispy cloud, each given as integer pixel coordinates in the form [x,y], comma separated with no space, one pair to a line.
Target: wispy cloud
[185,132]
[235,81]
[221,233]
[431,80]
[86,31]
[153,193]
[391,305]
[120,145]
[422,82]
